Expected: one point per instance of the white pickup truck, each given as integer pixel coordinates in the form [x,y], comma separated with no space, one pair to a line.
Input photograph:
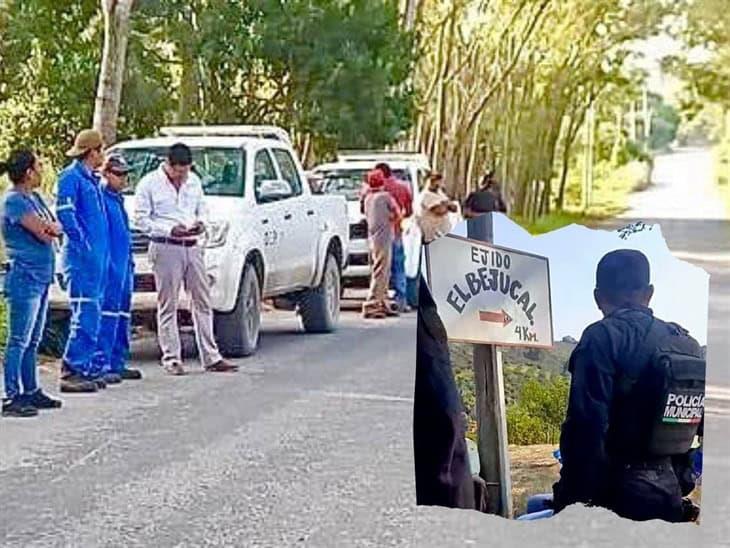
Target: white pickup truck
[269,237]
[345,178]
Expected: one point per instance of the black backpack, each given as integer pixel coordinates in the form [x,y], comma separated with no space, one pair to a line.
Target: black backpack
[660,410]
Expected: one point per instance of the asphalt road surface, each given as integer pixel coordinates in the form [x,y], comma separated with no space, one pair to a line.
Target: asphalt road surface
[310,443]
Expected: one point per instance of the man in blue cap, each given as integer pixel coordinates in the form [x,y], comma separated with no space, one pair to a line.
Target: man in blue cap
[636,403]
[113,343]
[82,214]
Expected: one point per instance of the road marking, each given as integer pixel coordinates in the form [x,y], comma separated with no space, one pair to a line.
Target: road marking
[718,393]
[710,257]
[721,411]
[369,397]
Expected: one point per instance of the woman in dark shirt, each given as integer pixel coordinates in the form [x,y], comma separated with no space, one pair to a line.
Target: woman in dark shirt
[29,230]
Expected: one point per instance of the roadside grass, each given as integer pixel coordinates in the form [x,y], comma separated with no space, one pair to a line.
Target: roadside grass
[611,191]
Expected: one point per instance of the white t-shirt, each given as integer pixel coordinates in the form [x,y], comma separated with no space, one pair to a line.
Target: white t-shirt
[432,225]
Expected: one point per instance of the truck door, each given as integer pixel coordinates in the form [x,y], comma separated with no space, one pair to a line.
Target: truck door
[270,222]
[301,246]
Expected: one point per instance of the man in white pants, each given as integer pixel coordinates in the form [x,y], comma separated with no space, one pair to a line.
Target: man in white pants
[170,208]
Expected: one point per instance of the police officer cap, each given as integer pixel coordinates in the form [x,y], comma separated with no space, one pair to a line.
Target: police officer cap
[623,270]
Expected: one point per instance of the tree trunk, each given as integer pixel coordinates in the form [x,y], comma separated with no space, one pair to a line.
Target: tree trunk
[111,74]
[409,18]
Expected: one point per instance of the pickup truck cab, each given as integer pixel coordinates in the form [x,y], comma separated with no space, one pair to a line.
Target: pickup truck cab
[345,177]
[268,236]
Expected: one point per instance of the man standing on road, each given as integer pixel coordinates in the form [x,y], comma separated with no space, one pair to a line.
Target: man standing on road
[433,217]
[170,207]
[402,195]
[636,403]
[81,212]
[113,345]
[381,212]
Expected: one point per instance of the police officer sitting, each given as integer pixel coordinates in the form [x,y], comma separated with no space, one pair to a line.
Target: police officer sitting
[636,403]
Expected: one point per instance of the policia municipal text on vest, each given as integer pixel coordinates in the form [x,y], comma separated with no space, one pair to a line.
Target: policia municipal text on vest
[636,404]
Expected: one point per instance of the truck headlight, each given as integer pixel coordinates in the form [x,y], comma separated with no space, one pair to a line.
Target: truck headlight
[217,234]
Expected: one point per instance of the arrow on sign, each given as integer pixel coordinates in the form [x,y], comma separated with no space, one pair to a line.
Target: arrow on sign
[495,317]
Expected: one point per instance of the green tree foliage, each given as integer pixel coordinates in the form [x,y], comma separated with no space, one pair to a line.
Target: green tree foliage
[516,98]
[50,52]
[332,72]
[665,124]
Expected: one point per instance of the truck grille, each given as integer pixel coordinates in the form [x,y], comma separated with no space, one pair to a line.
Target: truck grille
[359,231]
[140,242]
[144,283]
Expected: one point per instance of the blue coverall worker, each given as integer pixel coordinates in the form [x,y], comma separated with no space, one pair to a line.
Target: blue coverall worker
[113,343]
[81,211]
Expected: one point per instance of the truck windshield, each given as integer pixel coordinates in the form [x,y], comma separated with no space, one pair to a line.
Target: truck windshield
[348,182]
[220,169]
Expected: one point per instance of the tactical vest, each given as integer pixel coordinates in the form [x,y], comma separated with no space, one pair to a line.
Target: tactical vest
[658,409]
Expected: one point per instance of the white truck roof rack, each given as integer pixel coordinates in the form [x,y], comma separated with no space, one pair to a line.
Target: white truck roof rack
[381,155]
[261,132]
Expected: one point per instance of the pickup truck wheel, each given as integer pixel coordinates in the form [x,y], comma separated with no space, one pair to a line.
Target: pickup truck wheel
[237,332]
[319,308]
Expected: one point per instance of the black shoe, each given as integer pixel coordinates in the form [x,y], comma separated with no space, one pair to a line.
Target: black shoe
[111,378]
[100,382]
[40,401]
[18,408]
[76,384]
[131,374]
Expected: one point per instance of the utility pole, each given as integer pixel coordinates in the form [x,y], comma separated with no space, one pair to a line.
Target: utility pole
[490,405]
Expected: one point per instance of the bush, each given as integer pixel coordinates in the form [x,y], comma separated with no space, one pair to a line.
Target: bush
[539,413]
[522,427]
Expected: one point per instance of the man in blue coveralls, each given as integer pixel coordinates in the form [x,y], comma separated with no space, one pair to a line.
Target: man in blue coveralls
[81,211]
[113,344]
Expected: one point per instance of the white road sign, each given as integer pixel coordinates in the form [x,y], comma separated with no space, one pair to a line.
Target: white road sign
[488,294]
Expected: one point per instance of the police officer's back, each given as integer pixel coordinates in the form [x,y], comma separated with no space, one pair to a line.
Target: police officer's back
[636,402]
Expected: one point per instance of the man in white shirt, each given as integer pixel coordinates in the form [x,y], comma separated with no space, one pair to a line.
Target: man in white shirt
[170,208]
[433,217]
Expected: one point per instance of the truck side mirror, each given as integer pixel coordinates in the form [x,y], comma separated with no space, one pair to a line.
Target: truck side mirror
[274,189]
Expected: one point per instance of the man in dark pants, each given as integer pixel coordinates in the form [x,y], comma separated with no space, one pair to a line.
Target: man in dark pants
[636,401]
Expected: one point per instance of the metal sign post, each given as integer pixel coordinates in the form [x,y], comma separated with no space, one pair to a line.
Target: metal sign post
[490,405]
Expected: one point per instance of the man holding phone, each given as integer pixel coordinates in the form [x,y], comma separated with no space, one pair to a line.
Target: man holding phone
[170,208]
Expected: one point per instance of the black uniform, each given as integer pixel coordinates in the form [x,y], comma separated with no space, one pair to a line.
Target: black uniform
[485,201]
[614,448]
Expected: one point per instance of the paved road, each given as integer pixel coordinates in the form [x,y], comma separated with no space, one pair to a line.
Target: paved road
[309,445]
[309,442]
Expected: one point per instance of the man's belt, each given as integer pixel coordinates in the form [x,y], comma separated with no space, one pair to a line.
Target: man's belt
[174,241]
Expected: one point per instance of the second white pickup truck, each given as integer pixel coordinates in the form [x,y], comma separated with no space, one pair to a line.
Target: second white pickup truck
[269,237]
